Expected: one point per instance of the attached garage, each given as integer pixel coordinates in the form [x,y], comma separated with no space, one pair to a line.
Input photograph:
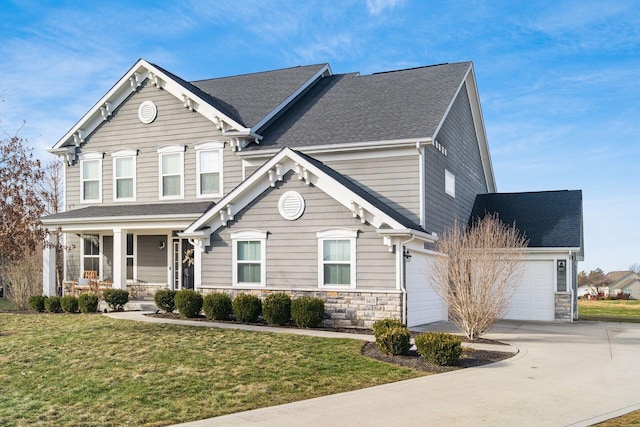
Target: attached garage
[423,303]
[534,298]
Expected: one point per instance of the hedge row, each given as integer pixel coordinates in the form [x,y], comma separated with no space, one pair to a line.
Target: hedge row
[276,308]
[86,303]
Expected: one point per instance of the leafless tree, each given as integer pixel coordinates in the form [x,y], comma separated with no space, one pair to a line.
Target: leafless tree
[52,190]
[479,273]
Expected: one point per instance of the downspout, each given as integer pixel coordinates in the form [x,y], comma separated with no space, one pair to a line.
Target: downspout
[403,278]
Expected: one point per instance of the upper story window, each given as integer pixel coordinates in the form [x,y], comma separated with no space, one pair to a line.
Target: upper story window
[124,175]
[91,177]
[449,183]
[337,258]
[171,167]
[249,253]
[209,163]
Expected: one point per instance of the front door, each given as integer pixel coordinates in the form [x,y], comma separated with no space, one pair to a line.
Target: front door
[182,264]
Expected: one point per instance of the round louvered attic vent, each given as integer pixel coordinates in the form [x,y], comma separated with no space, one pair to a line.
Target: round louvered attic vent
[291,205]
[147,112]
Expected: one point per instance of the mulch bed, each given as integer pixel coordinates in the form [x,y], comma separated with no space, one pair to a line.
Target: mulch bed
[470,357]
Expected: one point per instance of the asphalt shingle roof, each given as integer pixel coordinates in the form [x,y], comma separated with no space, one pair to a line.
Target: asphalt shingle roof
[547,218]
[347,108]
[138,210]
[251,97]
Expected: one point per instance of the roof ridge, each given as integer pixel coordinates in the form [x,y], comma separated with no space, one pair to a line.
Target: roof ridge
[259,72]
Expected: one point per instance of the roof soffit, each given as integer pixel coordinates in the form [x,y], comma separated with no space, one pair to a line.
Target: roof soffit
[129,83]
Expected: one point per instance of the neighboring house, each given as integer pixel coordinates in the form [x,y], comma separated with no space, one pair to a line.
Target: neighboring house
[620,283]
[296,180]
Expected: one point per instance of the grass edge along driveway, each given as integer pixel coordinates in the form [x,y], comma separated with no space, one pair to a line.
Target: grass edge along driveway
[65,369]
[609,310]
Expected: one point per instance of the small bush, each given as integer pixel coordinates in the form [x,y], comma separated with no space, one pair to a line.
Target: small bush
[440,348]
[307,312]
[36,302]
[69,303]
[188,302]
[217,306]
[52,305]
[246,307]
[276,309]
[380,326]
[392,336]
[165,300]
[88,303]
[116,298]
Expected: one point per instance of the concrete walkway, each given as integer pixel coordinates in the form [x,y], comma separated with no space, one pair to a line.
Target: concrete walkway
[564,375]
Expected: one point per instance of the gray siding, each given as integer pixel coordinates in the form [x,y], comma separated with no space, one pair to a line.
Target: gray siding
[173,125]
[72,256]
[292,246]
[393,180]
[458,136]
[152,262]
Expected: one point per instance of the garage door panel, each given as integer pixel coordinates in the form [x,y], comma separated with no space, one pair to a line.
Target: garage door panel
[423,303]
[534,298]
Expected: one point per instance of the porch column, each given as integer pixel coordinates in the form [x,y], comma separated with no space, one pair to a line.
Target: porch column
[198,248]
[119,257]
[49,266]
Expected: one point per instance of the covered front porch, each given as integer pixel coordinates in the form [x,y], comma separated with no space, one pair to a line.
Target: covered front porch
[140,254]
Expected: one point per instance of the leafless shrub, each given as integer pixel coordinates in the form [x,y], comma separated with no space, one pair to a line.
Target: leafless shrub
[23,278]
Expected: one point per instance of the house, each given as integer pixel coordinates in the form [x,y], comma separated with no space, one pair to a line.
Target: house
[621,283]
[296,180]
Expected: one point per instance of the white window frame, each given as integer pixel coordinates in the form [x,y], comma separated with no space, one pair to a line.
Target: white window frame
[90,157]
[337,234]
[249,236]
[123,154]
[172,149]
[83,256]
[207,147]
[449,183]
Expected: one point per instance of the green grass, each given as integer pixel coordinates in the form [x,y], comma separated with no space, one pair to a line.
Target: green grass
[61,369]
[609,310]
[6,305]
[629,420]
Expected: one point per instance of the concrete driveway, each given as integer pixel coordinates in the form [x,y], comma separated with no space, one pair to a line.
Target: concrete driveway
[564,375]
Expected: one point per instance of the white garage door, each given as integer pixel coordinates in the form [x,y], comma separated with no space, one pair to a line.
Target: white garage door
[534,298]
[423,304]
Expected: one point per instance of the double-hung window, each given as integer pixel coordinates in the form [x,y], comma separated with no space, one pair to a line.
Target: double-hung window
[124,175]
[91,252]
[171,167]
[337,258]
[249,252]
[209,168]
[91,177]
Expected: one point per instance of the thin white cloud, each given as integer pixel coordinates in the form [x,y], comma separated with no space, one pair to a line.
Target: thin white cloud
[376,7]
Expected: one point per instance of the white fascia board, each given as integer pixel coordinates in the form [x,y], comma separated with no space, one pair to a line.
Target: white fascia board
[293,96]
[339,148]
[142,70]
[258,182]
[139,221]
[421,235]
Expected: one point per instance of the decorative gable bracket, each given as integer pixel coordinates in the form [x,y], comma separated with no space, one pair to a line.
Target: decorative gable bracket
[358,211]
[302,173]
[67,154]
[78,137]
[275,175]
[135,81]
[106,110]
[188,103]
[226,215]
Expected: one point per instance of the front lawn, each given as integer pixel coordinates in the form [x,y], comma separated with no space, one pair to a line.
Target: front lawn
[61,369]
[609,310]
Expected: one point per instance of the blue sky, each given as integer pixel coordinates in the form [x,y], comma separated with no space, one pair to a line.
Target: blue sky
[558,80]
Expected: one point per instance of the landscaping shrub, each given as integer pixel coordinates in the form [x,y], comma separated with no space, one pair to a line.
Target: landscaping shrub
[276,309]
[440,348]
[69,303]
[165,300]
[116,298]
[52,305]
[217,306]
[307,312]
[392,336]
[36,302]
[188,302]
[246,307]
[88,303]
